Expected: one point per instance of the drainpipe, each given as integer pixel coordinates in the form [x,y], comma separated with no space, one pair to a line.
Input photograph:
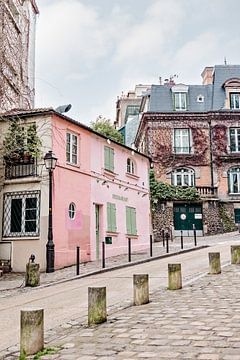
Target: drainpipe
[211,156]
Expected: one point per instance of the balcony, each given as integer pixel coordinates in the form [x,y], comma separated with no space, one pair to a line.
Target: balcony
[207,191]
[21,170]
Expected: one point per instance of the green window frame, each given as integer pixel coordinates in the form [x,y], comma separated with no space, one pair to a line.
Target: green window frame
[111,217]
[108,158]
[131,220]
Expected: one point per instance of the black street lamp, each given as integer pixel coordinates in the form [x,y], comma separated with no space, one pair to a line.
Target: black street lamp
[50,161]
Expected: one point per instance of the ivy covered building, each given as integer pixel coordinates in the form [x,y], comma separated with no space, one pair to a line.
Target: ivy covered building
[192,133]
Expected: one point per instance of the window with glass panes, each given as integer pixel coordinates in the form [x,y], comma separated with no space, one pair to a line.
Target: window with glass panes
[183,177]
[108,158]
[180,101]
[111,217]
[130,166]
[235,139]
[72,148]
[131,220]
[182,141]
[235,101]
[21,214]
[234,180]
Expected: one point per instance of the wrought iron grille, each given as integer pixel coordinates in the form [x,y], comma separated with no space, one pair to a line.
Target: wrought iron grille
[21,215]
[19,170]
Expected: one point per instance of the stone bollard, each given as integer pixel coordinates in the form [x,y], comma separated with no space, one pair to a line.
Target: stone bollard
[97,308]
[174,276]
[235,254]
[214,263]
[32,277]
[31,332]
[140,289]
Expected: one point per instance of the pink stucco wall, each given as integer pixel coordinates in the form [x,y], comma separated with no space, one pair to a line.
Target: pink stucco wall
[83,185]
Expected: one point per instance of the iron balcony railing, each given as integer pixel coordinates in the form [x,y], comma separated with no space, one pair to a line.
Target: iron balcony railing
[21,170]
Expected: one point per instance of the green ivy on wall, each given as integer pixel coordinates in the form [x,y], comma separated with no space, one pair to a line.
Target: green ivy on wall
[161,191]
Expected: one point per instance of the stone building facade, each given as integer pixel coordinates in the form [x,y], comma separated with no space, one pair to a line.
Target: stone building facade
[192,134]
[17,53]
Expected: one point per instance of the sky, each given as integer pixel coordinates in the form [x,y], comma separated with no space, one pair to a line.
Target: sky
[89,52]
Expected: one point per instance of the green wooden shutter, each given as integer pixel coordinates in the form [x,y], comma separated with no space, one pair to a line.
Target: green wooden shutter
[128,219]
[133,221]
[111,217]
[106,158]
[111,159]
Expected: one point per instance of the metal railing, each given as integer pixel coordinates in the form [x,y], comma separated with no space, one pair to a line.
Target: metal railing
[20,170]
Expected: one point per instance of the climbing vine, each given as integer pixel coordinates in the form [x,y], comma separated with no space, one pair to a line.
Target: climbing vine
[161,192]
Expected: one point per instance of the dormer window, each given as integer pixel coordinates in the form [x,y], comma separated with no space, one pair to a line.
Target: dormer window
[232,90]
[235,101]
[180,101]
[180,97]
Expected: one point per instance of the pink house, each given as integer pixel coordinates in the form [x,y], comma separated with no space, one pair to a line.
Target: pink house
[100,193]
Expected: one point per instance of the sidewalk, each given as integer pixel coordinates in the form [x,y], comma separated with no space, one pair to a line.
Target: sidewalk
[200,321]
[14,282]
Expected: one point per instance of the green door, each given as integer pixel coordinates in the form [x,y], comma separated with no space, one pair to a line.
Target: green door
[237,216]
[185,216]
[97,231]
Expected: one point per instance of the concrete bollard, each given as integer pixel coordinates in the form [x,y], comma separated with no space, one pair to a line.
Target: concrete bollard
[174,277]
[235,254]
[214,263]
[32,277]
[97,308]
[31,332]
[140,289]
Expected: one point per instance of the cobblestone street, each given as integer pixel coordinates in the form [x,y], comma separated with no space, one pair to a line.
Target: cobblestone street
[200,321]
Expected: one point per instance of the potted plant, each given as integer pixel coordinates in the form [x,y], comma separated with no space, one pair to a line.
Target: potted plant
[33,142]
[13,144]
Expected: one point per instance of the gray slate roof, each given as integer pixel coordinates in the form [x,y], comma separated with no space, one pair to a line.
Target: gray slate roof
[161,98]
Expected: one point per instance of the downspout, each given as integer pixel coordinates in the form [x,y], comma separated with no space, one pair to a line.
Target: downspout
[211,156]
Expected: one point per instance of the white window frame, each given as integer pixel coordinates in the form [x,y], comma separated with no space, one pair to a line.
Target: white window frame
[181,173]
[8,197]
[182,149]
[182,100]
[237,143]
[71,147]
[234,172]
[131,169]
[233,102]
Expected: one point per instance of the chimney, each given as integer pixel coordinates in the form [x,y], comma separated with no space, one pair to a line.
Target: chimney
[207,75]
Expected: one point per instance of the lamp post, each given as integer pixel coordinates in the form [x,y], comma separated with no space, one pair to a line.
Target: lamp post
[50,161]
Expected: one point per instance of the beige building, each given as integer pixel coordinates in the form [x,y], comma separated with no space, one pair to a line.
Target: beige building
[17,53]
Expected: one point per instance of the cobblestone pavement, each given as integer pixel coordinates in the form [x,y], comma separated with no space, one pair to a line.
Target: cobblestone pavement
[14,282]
[200,321]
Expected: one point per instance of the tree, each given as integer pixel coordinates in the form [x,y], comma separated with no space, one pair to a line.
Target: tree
[103,126]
